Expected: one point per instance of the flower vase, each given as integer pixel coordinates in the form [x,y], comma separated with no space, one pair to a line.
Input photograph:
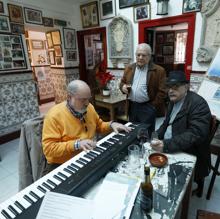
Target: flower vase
[106,92]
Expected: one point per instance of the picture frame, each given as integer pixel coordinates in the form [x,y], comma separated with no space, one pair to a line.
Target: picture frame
[52,57]
[191,6]
[4,24]
[56,37]
[69,36]
[170,37]
[48,22]
[17,28]
[89,14]
[71,55]
[49,40]
[15,14]
[61,23]
[1,7]
[160,38]
[142,12]
[107,9]
[58,60]
[131,3]
[58,51]
[37,44]
[168,50]
[33,16]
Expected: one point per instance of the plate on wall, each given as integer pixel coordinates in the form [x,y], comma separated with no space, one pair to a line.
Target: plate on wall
[158,159]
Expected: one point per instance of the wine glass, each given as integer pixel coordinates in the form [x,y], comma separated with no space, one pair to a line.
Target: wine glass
[142,136]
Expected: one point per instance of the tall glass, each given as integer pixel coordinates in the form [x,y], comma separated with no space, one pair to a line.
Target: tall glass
[133,157]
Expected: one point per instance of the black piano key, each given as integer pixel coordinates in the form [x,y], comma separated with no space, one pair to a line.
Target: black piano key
[47,186]
[41,189]
[19,205]
[58,178]
[75,166]
[13,210]
[88,156]
[117,136]
[80,162]
[105,145]
[62,175]
[93,153]
[112,140]
[51,183]
[98,150]
[71,168]
[28,199]
[68,171]
[34,195]
[6,215]
[83,160]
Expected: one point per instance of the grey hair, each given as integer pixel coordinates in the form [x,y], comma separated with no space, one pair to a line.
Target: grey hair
[144,46]
[74,86]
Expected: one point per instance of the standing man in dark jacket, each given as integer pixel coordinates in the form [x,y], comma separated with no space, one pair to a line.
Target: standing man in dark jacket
[186,126]
[144,84]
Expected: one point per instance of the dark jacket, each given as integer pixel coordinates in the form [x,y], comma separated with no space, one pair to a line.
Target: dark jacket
[190,132]
[156,77]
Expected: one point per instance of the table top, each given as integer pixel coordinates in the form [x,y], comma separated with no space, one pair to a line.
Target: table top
[112,99]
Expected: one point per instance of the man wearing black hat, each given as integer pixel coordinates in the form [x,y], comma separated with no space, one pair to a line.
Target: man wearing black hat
[186,126]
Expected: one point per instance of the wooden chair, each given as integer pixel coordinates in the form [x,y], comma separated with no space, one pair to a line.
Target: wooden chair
[202,214]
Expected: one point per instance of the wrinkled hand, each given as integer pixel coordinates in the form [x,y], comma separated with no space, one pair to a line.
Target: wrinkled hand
[87,144]
[157,145]
[125,88]
[119,127]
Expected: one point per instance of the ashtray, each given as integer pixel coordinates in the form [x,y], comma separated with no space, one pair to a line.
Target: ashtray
[158,159]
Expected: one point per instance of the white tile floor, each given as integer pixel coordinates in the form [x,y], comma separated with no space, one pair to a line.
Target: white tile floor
[9,179]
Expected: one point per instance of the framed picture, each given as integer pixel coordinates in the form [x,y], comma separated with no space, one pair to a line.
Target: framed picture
[160,38]
[15,13]
[107,9]
[71,55]
[47,22]
[17,28]
[170,37]
[89,14]
[142,12]
[4,24]
[37,44]
[58,51]
[130,3]
[56,37]
[33,16]
[168,50]
[49,40]
[52,57]
[1,7]
[61,23]
[69,36]
[191,5]
[58,60]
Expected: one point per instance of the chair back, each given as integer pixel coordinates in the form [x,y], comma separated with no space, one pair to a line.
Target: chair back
[213,127]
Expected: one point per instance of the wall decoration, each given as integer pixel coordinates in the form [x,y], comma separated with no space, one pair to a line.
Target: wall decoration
[61,23]
[58,60]
[48,22]
[142,12]
[168,50]
[71,55]
[4,24]
[11,52]
[1,7]
[56,37]
[170,37]
[39,57]
[52,57]
[37,44]
[58,50]
[17,28]
[191,5]
[49,40]
[15,13]
[69,36]
[33,16]
[131,3]
[89,14]
[107,9]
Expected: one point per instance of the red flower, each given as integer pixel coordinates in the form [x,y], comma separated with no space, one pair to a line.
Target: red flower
[103,78]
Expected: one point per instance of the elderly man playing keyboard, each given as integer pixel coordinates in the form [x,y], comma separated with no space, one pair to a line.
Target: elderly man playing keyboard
[70,127]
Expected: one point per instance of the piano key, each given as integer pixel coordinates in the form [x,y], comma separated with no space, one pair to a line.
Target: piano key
[68,171]
[62,175]
[28,199]
[99,149]
[80,162]
[42,189]
[71,168]
[19,205]
[84,160]
[52,182]
[93,153]
[89,156]
[19,211]
[75,166]
[12,209]
[47,186]
[34,195]
[23,202]
[112,140]
[87,159]
[7,215]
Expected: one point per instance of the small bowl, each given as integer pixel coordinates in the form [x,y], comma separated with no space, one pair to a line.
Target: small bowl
[158,159]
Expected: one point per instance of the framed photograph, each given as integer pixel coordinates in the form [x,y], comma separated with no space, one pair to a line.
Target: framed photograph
[4,24]
[1,7]
[52,57]
[58,60]
[160,38]
[142,12]
[130,3]
[49,40]
[168,50]
[69,36]
[107,9]
[58,51]
[33,16]
[71,55]
[17,28]
[89,14]
[15,13]
[48,22]
[56,37]
[37,44]
[61,23]
[170,37]
[192,5]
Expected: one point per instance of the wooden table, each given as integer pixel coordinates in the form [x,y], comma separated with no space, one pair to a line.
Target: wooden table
[111,103]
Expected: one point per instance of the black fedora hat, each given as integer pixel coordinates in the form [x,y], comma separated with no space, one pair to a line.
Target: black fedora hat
[176,77]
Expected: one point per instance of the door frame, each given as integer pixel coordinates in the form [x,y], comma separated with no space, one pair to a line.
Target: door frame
[188,18]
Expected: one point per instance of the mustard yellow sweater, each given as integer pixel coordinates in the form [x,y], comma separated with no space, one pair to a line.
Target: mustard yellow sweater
[61,129]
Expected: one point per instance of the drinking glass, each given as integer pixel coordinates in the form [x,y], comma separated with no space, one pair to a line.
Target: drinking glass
[133,157]
[143,137]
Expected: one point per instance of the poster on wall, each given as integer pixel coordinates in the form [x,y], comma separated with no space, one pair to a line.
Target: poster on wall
[214,69]
[11,53]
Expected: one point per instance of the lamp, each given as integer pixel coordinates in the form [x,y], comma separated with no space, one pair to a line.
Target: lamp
[162,7]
